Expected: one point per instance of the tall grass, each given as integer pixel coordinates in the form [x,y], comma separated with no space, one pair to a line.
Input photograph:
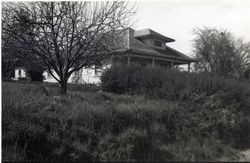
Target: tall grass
[40,125]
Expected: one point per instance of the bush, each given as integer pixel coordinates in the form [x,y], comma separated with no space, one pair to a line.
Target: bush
[36,75]
[172,85]
[119,80]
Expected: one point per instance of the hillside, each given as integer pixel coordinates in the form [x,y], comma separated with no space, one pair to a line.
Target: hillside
[38,124]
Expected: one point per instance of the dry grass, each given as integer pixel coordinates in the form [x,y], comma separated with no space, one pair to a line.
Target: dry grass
[41,125]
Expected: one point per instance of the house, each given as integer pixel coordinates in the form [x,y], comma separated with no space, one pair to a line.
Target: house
[145,47]
[20,72]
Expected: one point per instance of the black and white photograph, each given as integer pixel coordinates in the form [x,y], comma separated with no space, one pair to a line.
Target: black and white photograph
[125,81]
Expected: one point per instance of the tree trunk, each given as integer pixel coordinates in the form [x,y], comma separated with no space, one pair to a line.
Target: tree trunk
[64,87]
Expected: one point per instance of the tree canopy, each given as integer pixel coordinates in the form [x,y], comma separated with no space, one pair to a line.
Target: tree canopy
[218,51]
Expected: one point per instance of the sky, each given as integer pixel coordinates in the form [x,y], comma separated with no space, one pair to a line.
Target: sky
[178,18]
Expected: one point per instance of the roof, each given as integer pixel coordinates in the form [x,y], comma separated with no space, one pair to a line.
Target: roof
[150,33]
[133,44]
[170,51]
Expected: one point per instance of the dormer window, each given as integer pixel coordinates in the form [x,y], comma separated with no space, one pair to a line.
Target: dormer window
[158,43]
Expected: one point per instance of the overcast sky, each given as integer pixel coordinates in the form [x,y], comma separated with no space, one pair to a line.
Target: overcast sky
[177,18]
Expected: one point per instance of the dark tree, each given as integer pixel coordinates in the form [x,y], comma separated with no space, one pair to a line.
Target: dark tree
[9,55]
[67,36]
[218,51]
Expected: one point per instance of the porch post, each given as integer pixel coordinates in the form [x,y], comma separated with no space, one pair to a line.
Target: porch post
[172,64]
[153,63]
[128,60]
[188,67]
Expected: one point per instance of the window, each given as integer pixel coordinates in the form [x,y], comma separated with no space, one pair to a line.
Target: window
[19,72]
[158,43]
[98,69]
[77,73]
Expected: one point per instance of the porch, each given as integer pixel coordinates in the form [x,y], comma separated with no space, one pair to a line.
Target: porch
[153,61]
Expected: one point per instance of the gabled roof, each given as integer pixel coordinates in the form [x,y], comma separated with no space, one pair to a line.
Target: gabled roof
[133,44]
[150,33]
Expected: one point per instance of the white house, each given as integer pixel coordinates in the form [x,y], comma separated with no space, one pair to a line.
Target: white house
[85,75]
[145,47]
[20,72]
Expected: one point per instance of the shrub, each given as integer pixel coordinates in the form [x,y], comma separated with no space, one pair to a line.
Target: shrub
[119,80]
[171,84]
[36,75]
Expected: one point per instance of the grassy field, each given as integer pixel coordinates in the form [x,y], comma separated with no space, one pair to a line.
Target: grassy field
[87,124]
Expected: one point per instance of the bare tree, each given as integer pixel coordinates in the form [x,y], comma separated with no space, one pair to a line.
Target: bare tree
[218,51]
[15,54]
[67,36]
[9,59]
